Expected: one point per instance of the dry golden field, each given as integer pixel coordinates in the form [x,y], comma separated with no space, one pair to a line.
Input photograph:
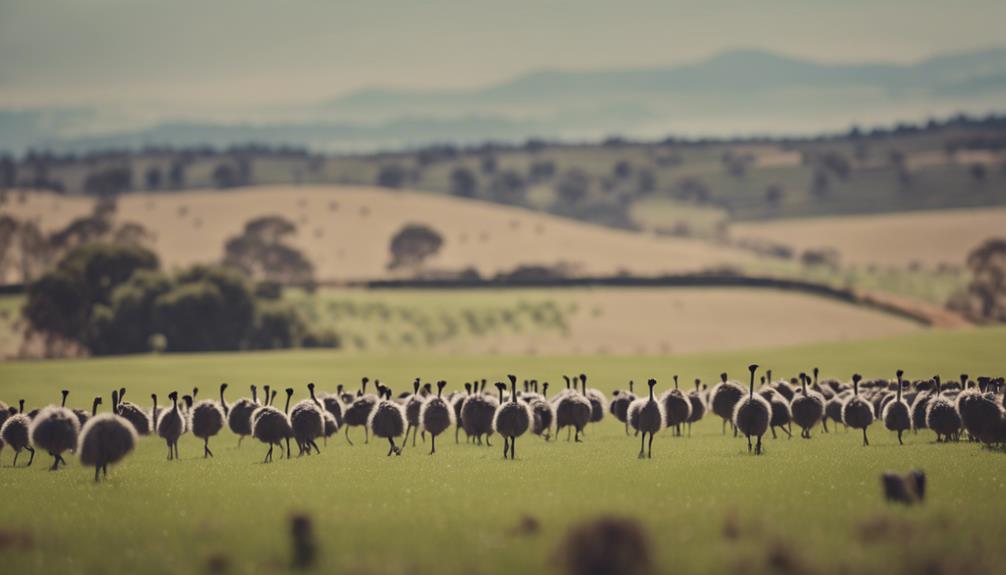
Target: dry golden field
[345,231]
[929,237]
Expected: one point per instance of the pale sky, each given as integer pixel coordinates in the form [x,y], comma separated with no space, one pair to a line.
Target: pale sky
[190,56]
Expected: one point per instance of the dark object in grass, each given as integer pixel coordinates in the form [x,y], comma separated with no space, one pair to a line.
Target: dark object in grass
[606,546]
[218,564]
[21,540]
[527,526]
[908,489]
[305,550]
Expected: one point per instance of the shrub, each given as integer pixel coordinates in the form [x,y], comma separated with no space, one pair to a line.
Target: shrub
[824,257]
[413,244]
[464,183]
[277,327]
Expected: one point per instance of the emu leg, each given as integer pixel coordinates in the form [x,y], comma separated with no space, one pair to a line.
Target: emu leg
[348,440]
[55,463]
[104,470]
[97,471]
[506,446]
[758,446]
[407,430]
[576,437]
[626,426]
[315,446]
[899,438]
[789,435]
[391,446]
[488,435]
[177,457]
[513,448]
[240,439]
[171,452]
[268,455]
[824,424]
[433,444]
[642,444]
[206,448]
[366,435]
[457,430]
[866,441]
[16,453]
[288,448]
[649,448]
[773,432]
[749,443]
[724,428]
[569,433]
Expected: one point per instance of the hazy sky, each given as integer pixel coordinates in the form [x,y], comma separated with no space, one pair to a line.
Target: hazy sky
[190,56]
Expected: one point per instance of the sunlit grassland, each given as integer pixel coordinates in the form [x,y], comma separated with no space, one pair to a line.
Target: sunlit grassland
[454,512]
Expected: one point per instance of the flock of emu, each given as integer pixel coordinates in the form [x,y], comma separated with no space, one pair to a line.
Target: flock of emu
[951,410]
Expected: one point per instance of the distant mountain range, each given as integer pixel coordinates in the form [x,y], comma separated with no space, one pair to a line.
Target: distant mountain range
[734,93]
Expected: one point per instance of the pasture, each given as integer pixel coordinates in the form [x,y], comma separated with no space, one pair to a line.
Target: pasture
[930,238]
[709,507]
[345,231]
[585,321]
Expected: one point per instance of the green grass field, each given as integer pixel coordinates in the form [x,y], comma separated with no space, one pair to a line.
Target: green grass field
[805,506]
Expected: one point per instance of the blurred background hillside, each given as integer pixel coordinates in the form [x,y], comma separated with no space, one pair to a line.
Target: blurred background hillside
[308,157]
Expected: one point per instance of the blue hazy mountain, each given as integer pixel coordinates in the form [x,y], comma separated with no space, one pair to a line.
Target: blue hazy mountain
[737,92]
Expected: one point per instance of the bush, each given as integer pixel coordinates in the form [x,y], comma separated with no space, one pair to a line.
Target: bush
[191,317]
[985,296]
[277,327]
[57,305]
[823,257]
[269,290]
[325,338]
[508,187]
[413,244]
[464,183]
[61,301]
[113,300]
[108,182]
[391,176]
[127,325]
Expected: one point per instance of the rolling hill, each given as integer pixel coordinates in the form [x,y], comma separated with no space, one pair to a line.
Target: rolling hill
[930,238]
[346,231]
